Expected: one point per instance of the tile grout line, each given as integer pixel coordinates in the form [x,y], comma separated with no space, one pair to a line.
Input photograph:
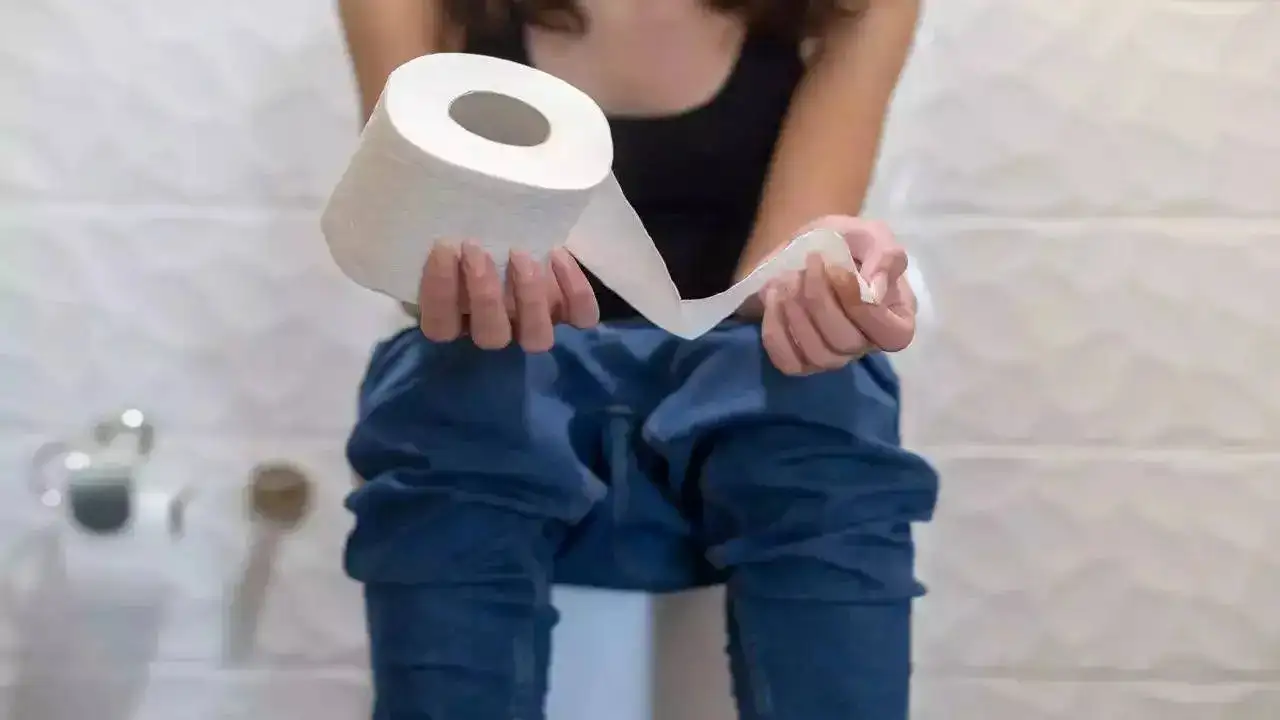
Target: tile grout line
[1100,675]
[910,221]
[280,437]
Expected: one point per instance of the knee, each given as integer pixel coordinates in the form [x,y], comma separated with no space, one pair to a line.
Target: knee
[801,478]
[442,419]
[436,539]
[806,511]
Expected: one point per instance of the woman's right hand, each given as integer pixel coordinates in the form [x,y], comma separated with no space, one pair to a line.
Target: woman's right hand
[463,294]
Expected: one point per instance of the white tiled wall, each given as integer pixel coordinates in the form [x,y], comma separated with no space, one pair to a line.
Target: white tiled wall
[1096,184]
[161,168]
[1093,188]
[1092,185]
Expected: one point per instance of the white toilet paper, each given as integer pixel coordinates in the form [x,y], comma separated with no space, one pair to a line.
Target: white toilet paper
[469,147]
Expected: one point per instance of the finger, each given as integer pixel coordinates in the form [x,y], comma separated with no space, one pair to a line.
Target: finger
[819,300]
[844,287]
[902,298]
[440,295]
[889,326]
[580,306]
[808,341]
[533,313]
[883,261]
[490,324]
[555,297]
[773,333]
[789,290]
[873,245]
[897,324]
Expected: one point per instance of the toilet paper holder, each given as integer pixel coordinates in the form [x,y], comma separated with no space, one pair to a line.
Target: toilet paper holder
[96,479]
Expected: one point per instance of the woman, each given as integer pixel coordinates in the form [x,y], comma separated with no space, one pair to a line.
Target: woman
[511,442]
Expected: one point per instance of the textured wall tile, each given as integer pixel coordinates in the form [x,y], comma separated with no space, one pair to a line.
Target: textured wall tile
[1174,122]
[1084,107]
[284,601]
[958,699]
[282,695]
[1047,563]
[231,324]
[234,593]
[1098,333]
[1103,563]
[239,596]
[45,372]
[135,102]
[186,692]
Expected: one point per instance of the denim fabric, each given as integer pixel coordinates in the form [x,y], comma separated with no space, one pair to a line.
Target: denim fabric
[628,458]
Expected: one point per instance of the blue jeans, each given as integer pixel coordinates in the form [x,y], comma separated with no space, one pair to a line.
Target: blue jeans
[628,458]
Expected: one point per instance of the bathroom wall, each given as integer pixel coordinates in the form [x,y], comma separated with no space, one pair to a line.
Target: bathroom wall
[1093,187]
[161,168]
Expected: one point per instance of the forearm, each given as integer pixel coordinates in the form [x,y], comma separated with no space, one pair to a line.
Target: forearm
[827,151]
[382,35]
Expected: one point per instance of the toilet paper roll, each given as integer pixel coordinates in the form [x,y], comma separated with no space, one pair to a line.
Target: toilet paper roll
[119,544]
[469,147]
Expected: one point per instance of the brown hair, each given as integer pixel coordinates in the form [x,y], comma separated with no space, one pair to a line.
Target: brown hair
[788,18]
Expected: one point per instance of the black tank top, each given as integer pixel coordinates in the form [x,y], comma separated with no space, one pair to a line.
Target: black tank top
[694,178]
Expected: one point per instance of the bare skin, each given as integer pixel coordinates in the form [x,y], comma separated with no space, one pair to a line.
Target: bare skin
[661,57]
[462,293]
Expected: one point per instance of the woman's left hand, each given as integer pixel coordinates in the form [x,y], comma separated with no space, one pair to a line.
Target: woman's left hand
[816,319]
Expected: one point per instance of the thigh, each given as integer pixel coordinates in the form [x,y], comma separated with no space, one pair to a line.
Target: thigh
[445,428]
[470,480]
[443,423]
[806,500]
[796,466]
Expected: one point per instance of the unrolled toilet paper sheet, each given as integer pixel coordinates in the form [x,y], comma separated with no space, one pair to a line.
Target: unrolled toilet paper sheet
[471,147]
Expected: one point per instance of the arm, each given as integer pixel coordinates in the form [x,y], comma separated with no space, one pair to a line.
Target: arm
[827,150]
[382,35]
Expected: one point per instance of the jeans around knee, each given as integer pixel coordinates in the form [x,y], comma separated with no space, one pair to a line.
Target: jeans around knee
[807,501]
[457,522]
[797,487]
